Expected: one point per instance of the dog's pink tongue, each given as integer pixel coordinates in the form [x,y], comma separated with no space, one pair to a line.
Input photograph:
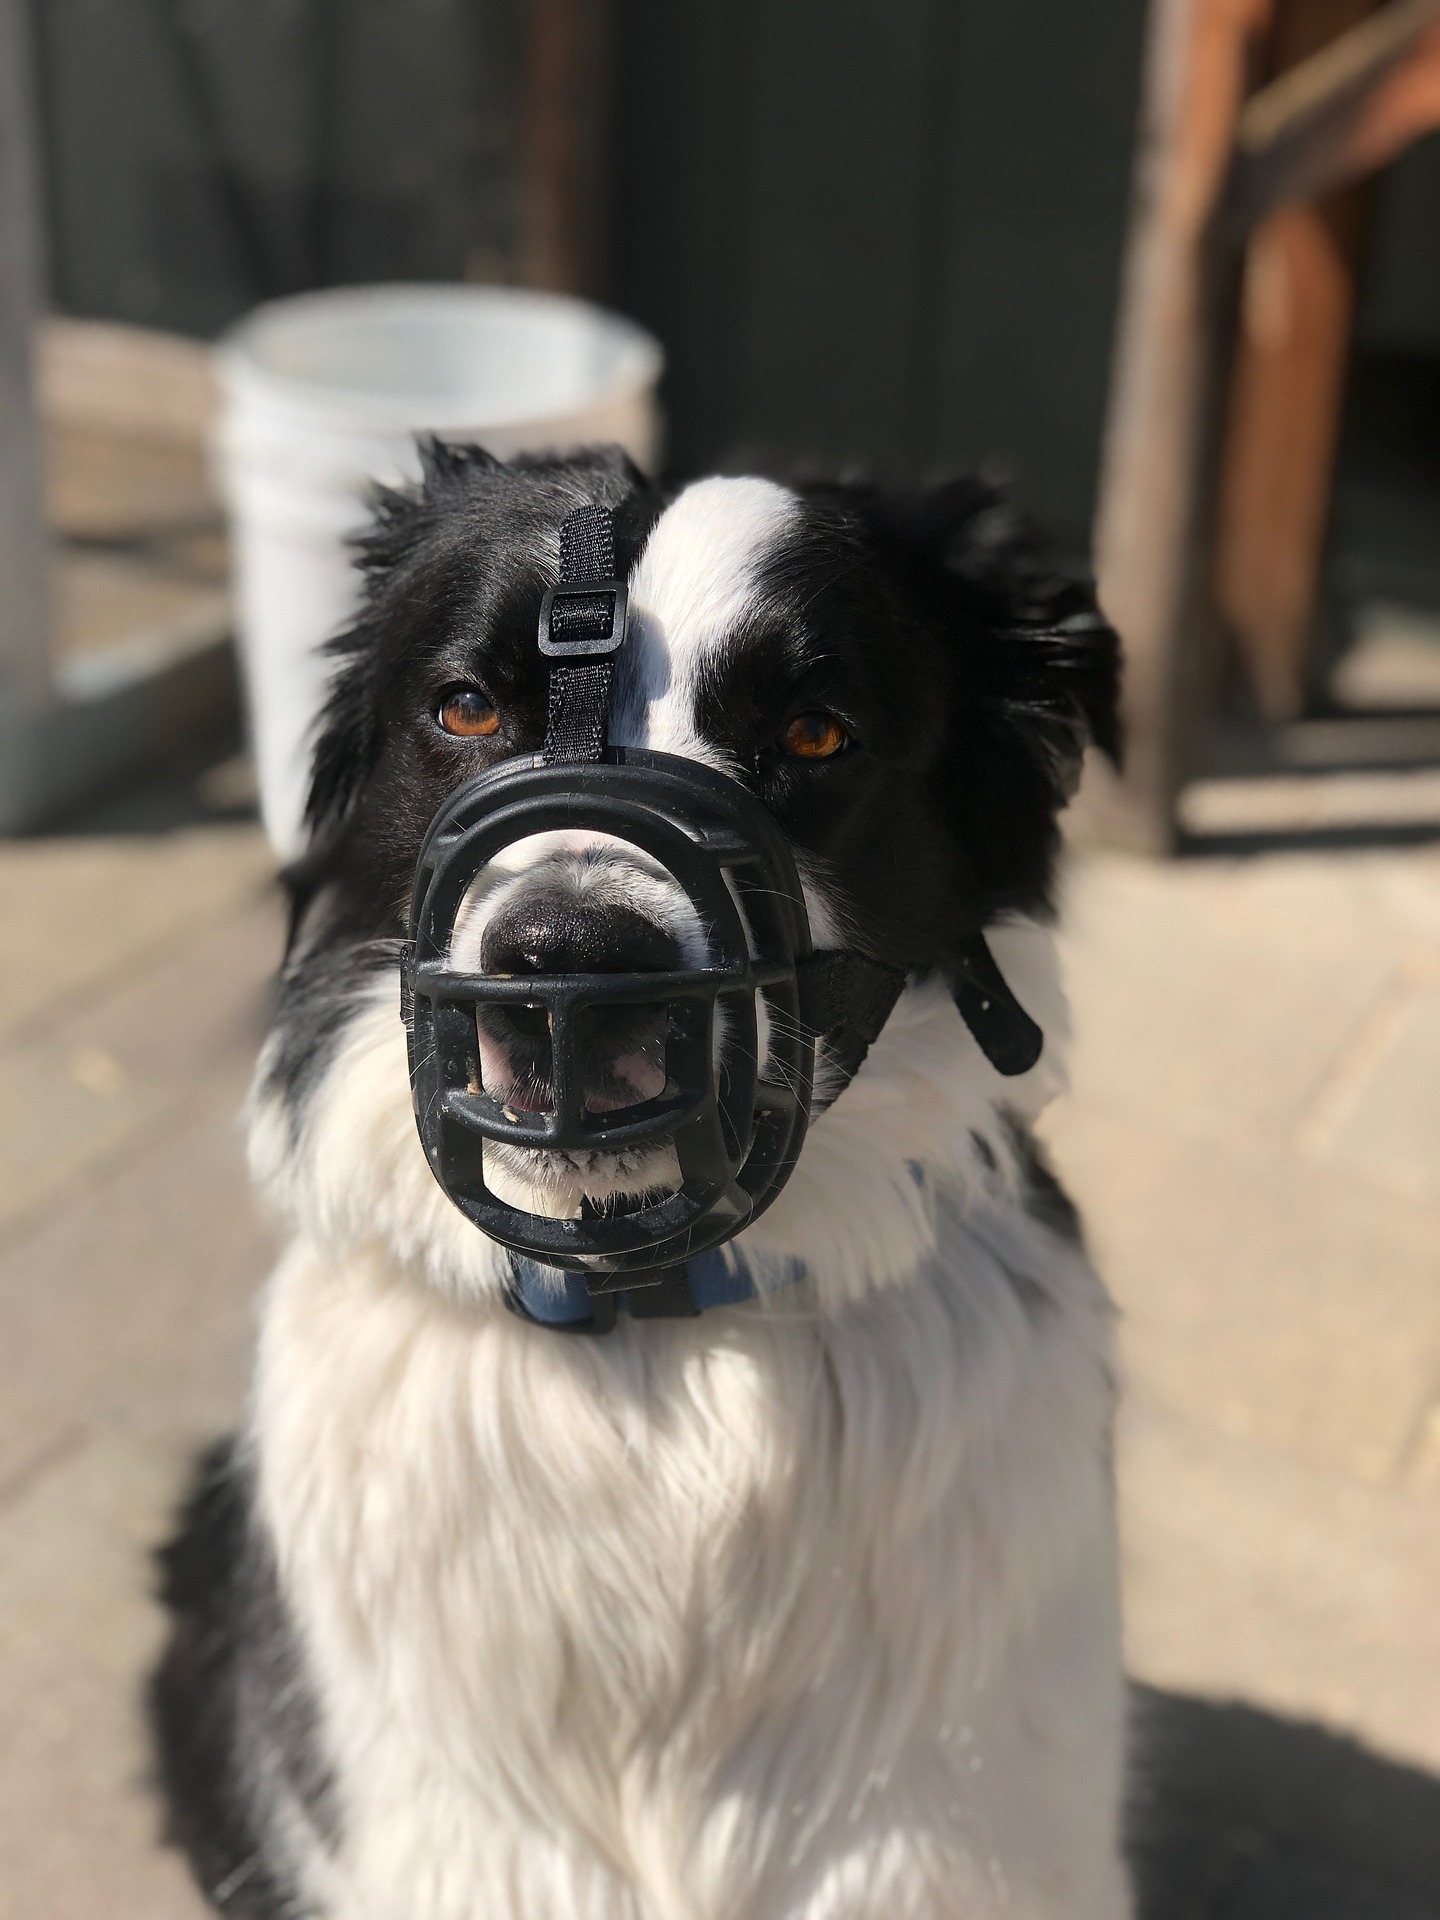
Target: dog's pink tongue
[497,1076]
[631,1079]
[640,1077]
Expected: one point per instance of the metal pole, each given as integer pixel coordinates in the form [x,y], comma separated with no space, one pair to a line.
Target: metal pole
[24,559]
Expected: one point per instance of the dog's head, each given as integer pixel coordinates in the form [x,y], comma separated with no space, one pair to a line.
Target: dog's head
[902,681]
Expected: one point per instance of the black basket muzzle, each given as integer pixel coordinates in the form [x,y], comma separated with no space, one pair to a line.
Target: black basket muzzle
[735,1123]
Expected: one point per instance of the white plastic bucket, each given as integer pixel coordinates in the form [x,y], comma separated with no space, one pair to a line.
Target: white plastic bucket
[324,394]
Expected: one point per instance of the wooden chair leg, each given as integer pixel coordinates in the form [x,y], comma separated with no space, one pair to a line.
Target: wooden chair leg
[1287,385]
[1287,393]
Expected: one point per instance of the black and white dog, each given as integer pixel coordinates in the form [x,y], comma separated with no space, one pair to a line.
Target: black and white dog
[803,1608]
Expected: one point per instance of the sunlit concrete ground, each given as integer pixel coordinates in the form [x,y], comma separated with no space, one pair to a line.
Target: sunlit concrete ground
[1254,1133]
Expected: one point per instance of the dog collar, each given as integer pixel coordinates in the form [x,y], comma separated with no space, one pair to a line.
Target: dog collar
[574,1303]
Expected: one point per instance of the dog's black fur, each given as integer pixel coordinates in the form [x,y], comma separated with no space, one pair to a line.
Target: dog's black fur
[233,1718]
[970,676]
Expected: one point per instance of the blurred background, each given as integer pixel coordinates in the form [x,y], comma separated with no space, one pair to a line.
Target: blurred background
[1169,267]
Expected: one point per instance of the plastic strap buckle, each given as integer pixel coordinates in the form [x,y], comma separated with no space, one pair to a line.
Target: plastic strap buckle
[584,622]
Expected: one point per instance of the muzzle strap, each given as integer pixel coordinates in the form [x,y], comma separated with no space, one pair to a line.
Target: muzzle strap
[845,999]
[577,724]
[582,627]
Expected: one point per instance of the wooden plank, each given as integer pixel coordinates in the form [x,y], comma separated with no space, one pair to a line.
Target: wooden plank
[1292,345]
[1151,534]
[1349,108]
[24,599]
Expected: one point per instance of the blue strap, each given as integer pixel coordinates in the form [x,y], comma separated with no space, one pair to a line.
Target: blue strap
[554,1298]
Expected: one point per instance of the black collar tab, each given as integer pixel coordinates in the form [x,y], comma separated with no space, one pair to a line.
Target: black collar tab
[1007,1036]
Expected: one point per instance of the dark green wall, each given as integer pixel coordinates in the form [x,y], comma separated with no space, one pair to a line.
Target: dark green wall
[877,232]
[202,155]
[881,234]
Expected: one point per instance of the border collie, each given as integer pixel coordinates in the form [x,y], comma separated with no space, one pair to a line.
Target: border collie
[801,1609]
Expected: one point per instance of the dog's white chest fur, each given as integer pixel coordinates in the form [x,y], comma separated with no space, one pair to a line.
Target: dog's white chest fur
[773,1614]
[801,1611]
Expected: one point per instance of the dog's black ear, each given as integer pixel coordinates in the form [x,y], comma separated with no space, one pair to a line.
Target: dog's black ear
[347,733]
[347,746]
[347,730]
[444,461]
[1036,652]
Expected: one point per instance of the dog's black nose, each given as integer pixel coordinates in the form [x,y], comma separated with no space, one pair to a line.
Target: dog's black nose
[550,934]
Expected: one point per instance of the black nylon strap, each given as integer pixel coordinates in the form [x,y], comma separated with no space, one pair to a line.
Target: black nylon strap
[577,722]
[587,546]
[845,999]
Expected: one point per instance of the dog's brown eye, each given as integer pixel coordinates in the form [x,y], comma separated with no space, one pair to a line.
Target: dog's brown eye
[466,712]
[814,736]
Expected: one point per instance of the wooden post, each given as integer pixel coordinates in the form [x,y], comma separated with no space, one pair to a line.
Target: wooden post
[1183,533]
[1151,535]
[24,560]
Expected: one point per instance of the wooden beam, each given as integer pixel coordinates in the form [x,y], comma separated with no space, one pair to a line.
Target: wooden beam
[24,557]
[1350,108]
[1151,533]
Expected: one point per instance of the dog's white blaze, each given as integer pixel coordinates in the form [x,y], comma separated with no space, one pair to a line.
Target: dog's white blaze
[688,594]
